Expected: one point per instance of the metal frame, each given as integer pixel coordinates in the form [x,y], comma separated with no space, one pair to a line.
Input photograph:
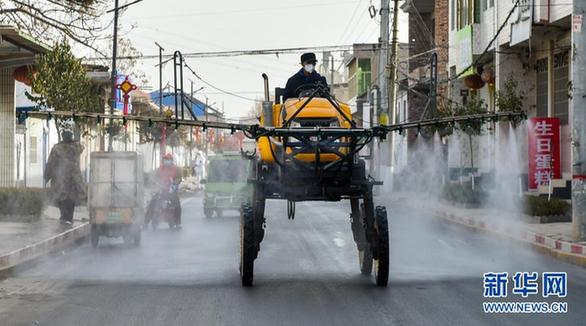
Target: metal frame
[256,131]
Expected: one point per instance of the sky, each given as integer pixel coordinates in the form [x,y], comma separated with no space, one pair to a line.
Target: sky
[196,26]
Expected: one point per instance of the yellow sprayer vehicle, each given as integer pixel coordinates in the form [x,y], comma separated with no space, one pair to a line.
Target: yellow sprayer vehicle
[310,153]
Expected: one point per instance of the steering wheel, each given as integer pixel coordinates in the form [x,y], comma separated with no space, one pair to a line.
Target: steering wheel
[306,90]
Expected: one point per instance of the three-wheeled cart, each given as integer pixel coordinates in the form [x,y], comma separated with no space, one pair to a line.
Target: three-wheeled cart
[116,196]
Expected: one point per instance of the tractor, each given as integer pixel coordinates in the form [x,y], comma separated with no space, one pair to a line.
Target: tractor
[308,151]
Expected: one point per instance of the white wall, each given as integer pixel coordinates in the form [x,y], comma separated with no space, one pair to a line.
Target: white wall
[560,9]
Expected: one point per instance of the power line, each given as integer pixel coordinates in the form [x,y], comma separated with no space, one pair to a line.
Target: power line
[349,23]
[217,88]
[233,53]
[225,12]
[124,6]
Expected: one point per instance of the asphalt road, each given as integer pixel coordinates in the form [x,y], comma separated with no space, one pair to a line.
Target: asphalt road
[306,274]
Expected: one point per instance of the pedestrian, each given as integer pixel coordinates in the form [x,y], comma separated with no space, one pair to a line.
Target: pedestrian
[200,163]
[68,188]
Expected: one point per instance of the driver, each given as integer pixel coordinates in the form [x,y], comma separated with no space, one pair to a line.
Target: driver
[306,76]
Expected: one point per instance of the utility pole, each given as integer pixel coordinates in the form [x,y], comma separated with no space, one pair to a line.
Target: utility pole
[382,62]
[163,139]
[579,122]
[191,128]
[160,77]
[113,76]
[392,95]
[116,9]
[205,112]
[332,74]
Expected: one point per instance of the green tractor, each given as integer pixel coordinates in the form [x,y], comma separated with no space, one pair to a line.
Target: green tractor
[226,186]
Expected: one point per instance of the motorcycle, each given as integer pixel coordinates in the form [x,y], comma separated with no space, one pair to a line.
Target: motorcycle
[163,207]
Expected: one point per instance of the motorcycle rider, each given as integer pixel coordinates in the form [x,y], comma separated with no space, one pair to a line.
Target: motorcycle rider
[169,179]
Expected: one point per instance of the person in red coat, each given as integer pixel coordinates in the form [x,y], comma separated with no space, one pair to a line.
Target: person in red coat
[169,179]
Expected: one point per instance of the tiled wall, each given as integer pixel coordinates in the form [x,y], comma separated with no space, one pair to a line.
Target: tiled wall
[7,126]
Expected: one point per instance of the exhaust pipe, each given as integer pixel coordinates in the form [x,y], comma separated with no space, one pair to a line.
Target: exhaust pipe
[267,105]
[266,81]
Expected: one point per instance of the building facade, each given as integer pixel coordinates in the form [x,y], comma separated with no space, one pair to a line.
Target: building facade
[428,44]
[16,50]
[530,43]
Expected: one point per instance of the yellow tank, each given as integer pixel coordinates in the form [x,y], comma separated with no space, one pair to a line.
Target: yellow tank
[318,112]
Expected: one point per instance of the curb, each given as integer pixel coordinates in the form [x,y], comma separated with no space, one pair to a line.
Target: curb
[564,250]
[43,247]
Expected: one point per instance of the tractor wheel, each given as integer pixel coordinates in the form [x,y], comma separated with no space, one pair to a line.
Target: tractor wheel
[94,235]
[381,270]
[365,261]
[208,212]
[247,245]
[137,236]
[359,234]
[259,215]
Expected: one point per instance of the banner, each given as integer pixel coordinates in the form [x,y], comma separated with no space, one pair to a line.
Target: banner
[544,151]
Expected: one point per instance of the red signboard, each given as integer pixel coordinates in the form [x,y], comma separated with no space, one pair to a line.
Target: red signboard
[544,151]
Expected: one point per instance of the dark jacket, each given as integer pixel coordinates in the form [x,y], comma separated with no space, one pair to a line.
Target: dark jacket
[64,173]
[300,79]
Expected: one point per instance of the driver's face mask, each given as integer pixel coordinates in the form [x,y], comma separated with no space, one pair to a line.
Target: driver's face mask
[309,67]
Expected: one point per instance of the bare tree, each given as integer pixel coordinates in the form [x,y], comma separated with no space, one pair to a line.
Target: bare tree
[131,67]
[51,20]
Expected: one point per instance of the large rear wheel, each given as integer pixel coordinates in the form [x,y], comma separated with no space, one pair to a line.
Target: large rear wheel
[365,261]
[247,245]
[381,270]
[359,233]
[94,235]
[137,235]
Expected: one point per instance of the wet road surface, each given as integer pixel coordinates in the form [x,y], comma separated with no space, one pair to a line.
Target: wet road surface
[306,274]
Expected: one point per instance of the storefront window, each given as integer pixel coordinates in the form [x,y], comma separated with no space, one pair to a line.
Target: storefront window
[477,11]
[561,71]
[453,14]
[541,70]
